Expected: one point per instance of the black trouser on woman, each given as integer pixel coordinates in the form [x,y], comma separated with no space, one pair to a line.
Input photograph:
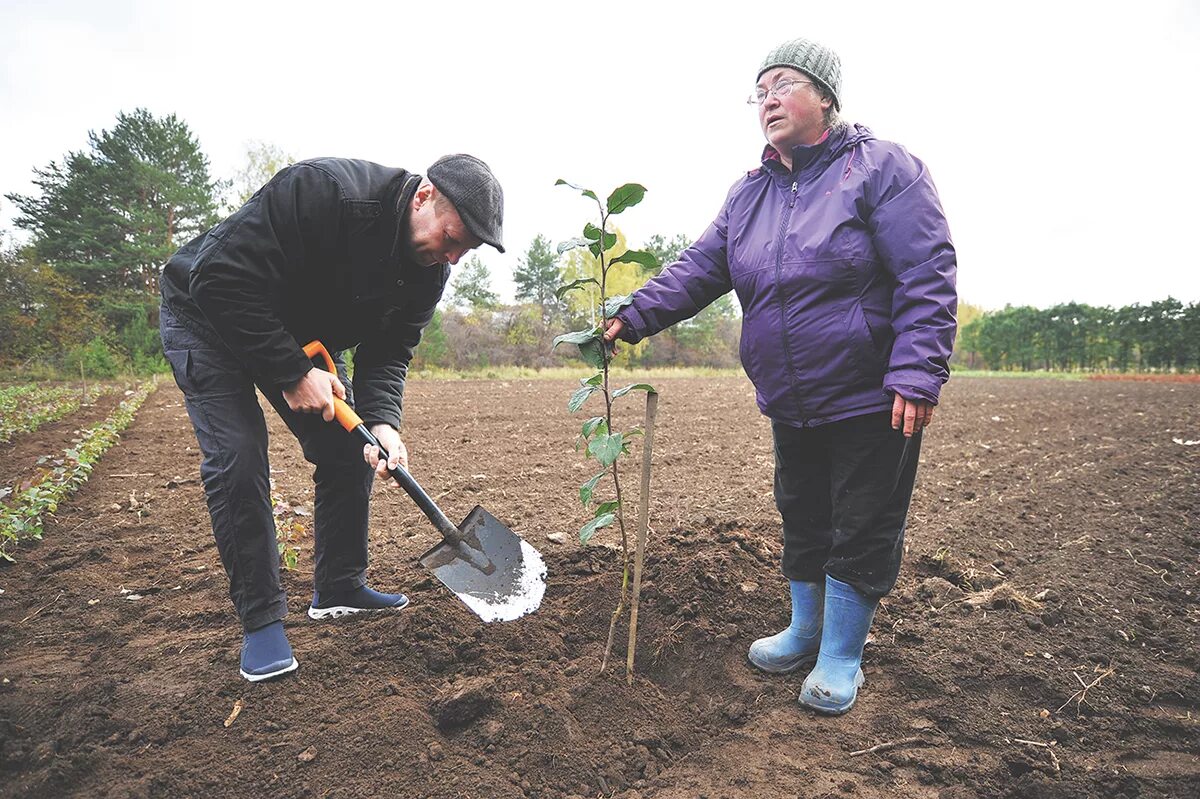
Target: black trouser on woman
[232,434]
[843,490]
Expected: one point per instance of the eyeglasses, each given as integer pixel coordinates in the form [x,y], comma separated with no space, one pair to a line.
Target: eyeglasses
[781,89]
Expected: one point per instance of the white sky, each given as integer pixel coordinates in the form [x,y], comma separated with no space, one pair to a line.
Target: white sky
[1060,134]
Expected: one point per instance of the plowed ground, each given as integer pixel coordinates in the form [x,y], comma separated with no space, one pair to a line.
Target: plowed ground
[1042,641]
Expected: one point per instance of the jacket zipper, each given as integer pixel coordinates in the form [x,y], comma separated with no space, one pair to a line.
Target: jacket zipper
[787,350]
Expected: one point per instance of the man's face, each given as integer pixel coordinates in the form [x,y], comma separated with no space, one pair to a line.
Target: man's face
[436,233]
[798,117]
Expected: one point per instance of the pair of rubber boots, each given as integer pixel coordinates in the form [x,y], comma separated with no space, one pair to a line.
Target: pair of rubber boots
[829,625]
[266,652]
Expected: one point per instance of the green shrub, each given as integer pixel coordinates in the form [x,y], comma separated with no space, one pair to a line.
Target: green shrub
[96,359]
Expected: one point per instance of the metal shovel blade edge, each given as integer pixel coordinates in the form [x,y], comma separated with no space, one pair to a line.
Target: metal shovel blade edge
[515,581]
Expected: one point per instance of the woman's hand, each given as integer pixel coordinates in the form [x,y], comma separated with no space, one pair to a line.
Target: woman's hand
[912,416]
[612,328]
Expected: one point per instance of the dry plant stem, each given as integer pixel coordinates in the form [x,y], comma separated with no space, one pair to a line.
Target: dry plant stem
[1159,573]
[639,552]
[43,607]
[1049,750]
[1082,692]
[916,739]
[237,711]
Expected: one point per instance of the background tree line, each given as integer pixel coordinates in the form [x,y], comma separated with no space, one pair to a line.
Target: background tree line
[474,330]
[1161,336]
[83,293]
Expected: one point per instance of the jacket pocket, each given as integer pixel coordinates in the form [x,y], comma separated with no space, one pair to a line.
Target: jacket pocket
[207,373]
[863,347]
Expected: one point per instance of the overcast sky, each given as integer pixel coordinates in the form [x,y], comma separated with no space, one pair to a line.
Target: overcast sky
[1061,135]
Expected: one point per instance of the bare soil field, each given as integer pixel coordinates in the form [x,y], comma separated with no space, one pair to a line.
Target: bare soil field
[1042,641]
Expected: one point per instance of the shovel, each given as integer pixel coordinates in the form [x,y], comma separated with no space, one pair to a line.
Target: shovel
[492,570]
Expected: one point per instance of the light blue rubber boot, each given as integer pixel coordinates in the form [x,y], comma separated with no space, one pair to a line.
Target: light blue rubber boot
[832,687]
[266,653]
[798,644]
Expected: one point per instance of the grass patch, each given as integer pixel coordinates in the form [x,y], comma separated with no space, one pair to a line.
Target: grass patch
[956,373]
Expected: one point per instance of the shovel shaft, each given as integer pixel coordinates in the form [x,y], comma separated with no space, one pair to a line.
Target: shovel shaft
[425,502]
[351,421]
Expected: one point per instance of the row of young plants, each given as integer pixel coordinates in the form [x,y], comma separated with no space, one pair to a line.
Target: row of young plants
[27,406]
[23,514]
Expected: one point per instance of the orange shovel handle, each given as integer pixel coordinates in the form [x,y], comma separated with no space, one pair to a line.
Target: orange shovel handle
[350,420]
[344,414]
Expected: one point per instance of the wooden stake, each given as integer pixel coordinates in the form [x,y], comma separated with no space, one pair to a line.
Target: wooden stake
[639,552]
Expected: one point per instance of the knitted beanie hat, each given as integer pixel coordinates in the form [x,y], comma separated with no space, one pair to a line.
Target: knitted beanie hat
[815,60]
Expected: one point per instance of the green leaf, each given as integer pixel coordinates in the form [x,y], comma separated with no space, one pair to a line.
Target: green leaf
[580,189]
[646,260]
[606,448]
[585,490]
[561,291]
[576,337]
[579,397]
[607,507]
[589,529]
[626,196]
[620,392]
[570,244]
[594,424]
[616,303]
[594,380]
[593,234]
[592,353]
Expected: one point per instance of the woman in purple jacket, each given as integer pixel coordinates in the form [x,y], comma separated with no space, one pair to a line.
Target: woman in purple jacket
[840,255]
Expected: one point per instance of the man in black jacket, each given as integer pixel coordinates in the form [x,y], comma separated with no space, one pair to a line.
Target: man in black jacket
[353,254]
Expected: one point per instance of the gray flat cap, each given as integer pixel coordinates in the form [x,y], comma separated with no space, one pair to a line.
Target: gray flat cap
[474,192]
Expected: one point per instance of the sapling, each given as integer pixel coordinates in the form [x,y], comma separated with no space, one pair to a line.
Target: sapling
[597,435]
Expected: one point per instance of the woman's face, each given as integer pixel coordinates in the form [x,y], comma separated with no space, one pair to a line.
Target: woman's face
[797,117]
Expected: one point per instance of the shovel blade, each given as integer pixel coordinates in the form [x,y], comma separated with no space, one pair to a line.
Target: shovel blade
[514,580]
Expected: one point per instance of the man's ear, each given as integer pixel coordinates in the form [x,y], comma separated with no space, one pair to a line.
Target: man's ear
[425,194]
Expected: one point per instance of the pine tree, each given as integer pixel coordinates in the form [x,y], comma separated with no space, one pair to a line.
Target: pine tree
[471,286]
[110,216]
[538,277]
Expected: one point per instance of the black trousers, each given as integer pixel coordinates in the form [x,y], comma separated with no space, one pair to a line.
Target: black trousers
[843,490]
[232,433]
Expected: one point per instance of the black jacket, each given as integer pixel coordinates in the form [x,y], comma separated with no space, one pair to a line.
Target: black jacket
[315,254]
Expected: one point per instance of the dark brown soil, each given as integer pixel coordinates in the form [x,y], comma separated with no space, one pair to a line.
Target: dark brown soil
[1070,495]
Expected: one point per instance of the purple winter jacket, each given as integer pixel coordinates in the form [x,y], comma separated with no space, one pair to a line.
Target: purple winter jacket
[845,272]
